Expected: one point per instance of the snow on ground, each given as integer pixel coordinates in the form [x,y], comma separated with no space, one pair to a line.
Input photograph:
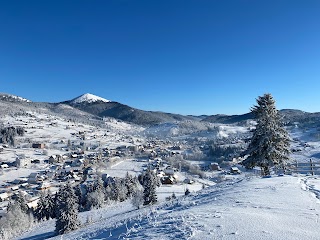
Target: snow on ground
[134,167]
[10,175]
[257,208]
[225,131]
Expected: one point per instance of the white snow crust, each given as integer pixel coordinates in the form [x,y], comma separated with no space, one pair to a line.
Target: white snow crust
[90,98]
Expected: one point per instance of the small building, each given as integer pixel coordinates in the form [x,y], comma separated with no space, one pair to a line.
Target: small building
[168,180]
[188,181]
[33,178]
[38,145]
[33,203]
[44,185]
[15,188]
[55,159]
[215,166]
[235,170]
[21,162]
[3,196]
[3,166]
[35,161]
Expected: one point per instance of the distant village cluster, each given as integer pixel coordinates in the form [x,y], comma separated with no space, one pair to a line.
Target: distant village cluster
[81,156]
[41,154]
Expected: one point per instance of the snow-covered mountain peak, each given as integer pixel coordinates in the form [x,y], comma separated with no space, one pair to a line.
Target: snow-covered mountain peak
[89,98]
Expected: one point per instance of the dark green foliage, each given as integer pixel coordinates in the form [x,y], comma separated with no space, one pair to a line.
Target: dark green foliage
[150,181]
[46,207]
[270,142]
[7,135]
[66,210]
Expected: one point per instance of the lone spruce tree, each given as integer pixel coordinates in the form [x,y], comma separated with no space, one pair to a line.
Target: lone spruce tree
[67,210]
[270,142]
[150,182]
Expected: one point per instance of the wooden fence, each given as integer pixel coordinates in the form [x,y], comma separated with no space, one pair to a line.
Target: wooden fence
[311,167]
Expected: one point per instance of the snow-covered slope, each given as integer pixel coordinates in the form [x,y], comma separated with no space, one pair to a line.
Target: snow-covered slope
[88,98]
[12,98]
[267,208]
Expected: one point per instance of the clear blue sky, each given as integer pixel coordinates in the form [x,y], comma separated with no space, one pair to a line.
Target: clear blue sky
[182,56]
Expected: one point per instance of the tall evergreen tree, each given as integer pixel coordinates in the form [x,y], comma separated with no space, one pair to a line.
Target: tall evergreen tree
[270,143]
[46,207]
[19,202]
[66,210]
[50,208]
[150,182]
[41,211]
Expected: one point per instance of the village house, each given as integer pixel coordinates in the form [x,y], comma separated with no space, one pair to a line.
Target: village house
[168,180]
[33,203]
[34,178]
[215,166]
[4,196]
[4,166]
[22,162]
[55,159]
[38,145]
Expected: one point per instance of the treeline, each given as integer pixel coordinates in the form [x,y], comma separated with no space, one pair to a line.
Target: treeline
[8,134]
[222,153]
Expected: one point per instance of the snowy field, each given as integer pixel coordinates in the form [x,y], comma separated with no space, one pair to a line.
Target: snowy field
[258,208]
[238,208]
[134,167]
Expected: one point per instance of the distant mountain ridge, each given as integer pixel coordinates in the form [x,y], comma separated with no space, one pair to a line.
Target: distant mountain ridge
[228,119]
[289,116]
[12,98]
[105,108]
[90,106]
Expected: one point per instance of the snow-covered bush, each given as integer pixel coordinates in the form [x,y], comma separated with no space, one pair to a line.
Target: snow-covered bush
[137,199]
[15,222]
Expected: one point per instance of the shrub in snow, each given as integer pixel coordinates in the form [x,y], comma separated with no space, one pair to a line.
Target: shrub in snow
[270,143]
[187,192]
[66,210]
[19,201]
[95,199]
[132,184]
[137,199]
[173,196]
[118,190]
[15,222]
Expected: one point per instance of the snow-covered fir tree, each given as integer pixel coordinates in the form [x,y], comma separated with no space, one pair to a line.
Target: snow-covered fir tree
[40,211]
[51,204]
[66,210]
[132,184]
[270,143]
[46,207]
[22,202]
[150,182]
[118,190]
[95,199]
